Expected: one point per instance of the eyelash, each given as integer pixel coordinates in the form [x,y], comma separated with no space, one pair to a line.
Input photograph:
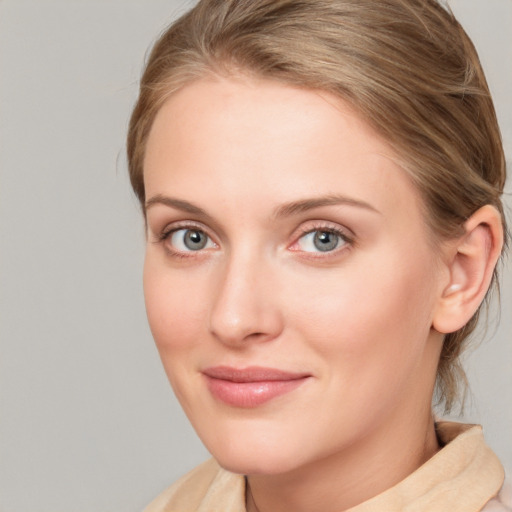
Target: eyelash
[325,227]
[167,233]
[348,240]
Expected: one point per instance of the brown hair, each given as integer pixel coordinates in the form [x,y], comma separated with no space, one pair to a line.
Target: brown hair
[406,66]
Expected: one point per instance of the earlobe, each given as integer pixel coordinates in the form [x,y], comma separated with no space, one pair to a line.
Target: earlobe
[471,266]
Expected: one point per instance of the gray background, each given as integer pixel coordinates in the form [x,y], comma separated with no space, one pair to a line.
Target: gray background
[87,419]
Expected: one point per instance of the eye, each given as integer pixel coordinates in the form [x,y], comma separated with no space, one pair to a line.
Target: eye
[321,240]
[186,240]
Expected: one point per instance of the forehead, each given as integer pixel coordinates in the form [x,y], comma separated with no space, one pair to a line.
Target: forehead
[263,142]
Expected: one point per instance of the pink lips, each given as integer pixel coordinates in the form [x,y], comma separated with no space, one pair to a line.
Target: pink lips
[250,387]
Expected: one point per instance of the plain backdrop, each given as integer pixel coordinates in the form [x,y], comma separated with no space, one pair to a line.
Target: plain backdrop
[88,422]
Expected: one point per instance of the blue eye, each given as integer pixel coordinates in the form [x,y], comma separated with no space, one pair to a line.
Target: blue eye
[321,241]
[186,240]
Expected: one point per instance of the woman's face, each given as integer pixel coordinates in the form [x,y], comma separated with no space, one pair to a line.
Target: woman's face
[289,278]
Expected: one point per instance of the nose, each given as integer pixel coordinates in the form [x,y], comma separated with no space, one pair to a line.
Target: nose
[245,306]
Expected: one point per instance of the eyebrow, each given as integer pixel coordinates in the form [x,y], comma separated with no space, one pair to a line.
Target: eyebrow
[177,204]
[304,205]
[285,210]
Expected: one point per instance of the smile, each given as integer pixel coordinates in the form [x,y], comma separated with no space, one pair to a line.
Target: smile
[250,387]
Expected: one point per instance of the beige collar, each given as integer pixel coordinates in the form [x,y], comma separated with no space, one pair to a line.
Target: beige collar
[462,477]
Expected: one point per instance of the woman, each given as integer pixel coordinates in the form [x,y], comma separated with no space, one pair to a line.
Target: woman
[321,185]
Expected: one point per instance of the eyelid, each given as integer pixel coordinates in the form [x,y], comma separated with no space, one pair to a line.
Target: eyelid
[322,225]
[317,225]
[163,236]
[160,218]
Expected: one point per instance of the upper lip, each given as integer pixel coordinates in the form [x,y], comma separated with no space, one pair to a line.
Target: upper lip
[252,374]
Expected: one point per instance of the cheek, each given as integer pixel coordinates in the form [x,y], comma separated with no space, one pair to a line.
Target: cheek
[176,315]
[368,314]
[174,307]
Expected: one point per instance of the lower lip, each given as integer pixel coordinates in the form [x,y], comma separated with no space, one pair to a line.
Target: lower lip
[250,394]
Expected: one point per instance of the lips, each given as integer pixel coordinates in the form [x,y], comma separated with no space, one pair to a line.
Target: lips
[252,386]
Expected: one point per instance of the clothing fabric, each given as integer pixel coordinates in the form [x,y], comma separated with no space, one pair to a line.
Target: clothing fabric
[464,476]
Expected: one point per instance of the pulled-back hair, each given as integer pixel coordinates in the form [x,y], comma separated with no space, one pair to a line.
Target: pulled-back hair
[406,66]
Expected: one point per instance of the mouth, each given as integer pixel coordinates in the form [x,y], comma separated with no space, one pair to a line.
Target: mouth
[252,386]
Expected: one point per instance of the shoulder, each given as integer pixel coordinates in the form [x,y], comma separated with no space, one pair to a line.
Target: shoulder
[207,487]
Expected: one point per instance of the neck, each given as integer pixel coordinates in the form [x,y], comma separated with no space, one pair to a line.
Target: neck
[349,477]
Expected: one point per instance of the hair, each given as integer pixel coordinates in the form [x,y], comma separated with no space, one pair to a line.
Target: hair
[406,66]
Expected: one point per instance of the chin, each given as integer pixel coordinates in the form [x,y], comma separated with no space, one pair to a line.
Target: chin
[255,465]
[247,456]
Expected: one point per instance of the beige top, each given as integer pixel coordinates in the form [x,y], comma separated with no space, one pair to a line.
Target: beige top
[464,476]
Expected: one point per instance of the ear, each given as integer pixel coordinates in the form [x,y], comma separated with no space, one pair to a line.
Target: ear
[471,261]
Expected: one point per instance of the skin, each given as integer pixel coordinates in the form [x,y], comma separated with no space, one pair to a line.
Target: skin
[228,157]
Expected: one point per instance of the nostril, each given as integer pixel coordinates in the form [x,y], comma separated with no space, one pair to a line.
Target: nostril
[257,336]
[241,310]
